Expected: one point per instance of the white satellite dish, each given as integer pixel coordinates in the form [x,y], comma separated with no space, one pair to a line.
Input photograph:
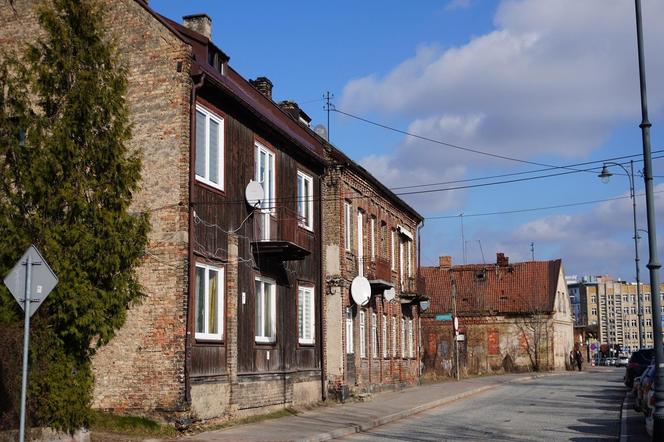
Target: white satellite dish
[389,294]
[360,290]
[254,193]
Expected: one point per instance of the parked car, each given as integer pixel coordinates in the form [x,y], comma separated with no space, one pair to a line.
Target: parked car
[649,411]
[622,361]
[643,386]
[638,362]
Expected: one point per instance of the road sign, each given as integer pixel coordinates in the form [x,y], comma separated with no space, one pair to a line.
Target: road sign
[43,280]
[444,317]
[30,282]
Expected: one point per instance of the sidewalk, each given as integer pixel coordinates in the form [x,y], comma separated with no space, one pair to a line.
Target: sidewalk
[338,420]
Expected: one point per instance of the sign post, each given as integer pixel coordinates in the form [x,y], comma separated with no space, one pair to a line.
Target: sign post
[20,281]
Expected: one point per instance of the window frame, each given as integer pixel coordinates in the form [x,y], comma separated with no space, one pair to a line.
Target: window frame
[270,193]
[403,338]
[384,337]
[307,200]
[350,345]
[205,336]
[374,335]
[363,334]
[306,290]
[348,226]
[394,336]
[273,310]
[373,237]
[221,176]
[411,336]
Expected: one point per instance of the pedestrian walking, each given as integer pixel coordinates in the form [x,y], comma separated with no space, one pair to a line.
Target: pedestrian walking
[579,358]
[572,360]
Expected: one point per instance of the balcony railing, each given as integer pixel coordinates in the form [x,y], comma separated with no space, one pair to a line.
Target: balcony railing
[278,233]
[414,285]
[379,269]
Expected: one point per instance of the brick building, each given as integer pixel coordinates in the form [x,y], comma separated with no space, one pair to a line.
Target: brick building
[369,233]
[511,316]
[231,322]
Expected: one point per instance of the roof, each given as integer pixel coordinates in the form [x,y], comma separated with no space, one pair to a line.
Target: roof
[340,157]
[239,88]
[518,288]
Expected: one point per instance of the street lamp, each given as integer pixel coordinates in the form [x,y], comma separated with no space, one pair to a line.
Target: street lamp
[604,176]
[653,262]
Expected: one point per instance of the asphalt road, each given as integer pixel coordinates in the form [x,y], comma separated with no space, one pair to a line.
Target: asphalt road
[580,407]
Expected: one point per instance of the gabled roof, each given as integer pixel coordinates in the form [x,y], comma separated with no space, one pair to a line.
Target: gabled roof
[519,288]
[239,88]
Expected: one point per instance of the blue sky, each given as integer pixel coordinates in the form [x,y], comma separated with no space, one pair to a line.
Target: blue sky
[540,81]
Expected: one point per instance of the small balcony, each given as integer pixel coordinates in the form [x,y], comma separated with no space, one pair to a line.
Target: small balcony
[278,235]
[413,287]
[379,273]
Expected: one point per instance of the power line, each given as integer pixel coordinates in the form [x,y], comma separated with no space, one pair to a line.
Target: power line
[444,143]
[534,209]
[519,173]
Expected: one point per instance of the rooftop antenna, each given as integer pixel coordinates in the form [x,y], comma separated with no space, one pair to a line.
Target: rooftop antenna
[532,250]
[481,251]
[328,107]
[463,239]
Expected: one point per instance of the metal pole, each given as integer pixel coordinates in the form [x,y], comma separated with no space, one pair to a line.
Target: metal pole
[639,304]
[26,340]
[653,263]
[454,323]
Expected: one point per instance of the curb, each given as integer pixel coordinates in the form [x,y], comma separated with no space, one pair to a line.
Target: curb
[624,437]
[352,429]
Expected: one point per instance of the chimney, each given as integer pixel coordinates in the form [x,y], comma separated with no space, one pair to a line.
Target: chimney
[264,86]
[445,262]
[502,260]
[200,23]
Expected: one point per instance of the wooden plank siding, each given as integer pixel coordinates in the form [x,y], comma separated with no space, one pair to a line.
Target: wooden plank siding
[228,210]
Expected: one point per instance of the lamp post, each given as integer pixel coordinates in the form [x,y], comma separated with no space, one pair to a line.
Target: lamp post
[653,262]
[605,175]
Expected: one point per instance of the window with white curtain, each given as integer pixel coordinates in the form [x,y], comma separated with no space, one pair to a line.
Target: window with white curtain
[348,227]
[305,315]
[349,330]
[394,336]
[403,338]
[305,200]
[384,335]
[265,310]
[209,302]
[209,148]
[363,336]
[374,336]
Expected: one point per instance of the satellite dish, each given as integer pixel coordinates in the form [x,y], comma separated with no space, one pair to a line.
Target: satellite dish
[389,294]
[360,290]
[321,131]
[254,193]
[424,305]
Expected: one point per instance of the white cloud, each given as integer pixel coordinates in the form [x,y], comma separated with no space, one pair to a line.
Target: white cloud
[554,77]
[457,4]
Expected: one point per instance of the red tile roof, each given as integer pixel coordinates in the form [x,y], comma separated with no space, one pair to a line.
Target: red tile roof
[524,287]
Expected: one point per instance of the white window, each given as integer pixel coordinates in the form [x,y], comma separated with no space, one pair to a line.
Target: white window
[373,238]
[305,315]
[363,339]
[593,299]
[349,331]
[374,336]
[348,232]
[648,335]
[305,200]
[648,309]
[410,257]
[265,175]
[209,302]
[384,333]
[648,323]
[266,311]
[411,346]
[403,338]
[360,243]
[624,298]
[209,148]
[593,311]
[394,336]
[392,258]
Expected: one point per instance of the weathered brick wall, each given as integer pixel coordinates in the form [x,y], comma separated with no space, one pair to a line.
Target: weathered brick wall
[341,267]
[143,367]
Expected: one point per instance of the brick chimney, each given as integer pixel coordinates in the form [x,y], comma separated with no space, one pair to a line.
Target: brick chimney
[445,262]
[201,23]
[264,86]
[502,260]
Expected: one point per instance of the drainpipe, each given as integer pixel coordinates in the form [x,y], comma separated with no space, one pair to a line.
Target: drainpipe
[192,162]
[419,311]
[321,328]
